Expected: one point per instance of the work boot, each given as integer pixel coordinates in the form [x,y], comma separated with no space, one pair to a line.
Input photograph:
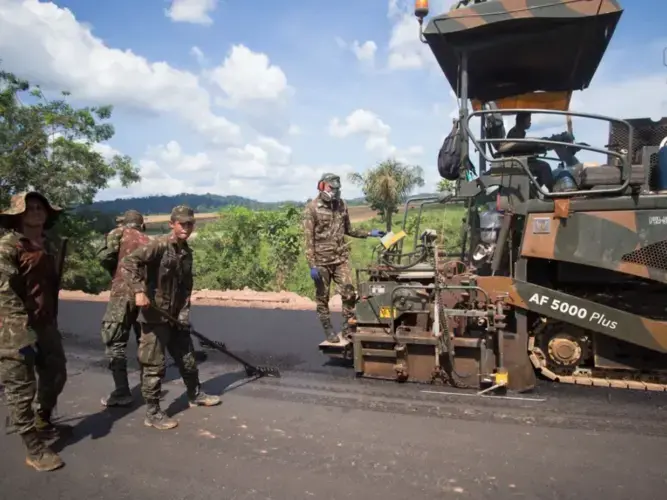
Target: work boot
[39,456]
[155,417]
[332,336]
[46,428]
[203,399]
[121,396]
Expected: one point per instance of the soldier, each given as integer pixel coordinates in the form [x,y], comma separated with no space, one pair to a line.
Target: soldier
[167,260]
[326,223]
[121,313]
[30,343]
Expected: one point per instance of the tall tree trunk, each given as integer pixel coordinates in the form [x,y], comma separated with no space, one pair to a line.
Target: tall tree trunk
[388,215]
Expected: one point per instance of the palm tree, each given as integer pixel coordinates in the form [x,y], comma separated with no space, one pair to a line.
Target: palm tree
[387,185]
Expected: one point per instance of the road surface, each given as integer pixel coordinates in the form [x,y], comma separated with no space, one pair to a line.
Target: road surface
[319,433]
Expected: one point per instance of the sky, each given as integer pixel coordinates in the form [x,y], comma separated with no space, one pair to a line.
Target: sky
[259,98]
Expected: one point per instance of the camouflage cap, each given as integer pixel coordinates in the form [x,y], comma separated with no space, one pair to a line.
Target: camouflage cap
[182,213]
[132,217]
[332,179]
[18,203]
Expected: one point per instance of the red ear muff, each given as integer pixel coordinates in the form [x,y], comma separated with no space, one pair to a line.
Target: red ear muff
[320,186]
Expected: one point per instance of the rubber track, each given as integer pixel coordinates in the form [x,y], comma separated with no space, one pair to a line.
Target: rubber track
[537,359]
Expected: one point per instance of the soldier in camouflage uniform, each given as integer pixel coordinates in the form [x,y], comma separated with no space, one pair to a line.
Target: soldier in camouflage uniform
[32,358]
[326,223]
[167,285]
[121,313]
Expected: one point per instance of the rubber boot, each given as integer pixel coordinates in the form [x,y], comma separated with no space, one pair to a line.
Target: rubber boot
[122,395]
[46,428]
[39,456]
[155,417]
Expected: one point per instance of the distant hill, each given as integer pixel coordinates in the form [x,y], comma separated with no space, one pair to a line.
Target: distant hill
[201,203]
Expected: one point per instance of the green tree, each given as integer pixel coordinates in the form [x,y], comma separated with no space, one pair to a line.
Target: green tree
[387,185]
[446,185]
[49,146]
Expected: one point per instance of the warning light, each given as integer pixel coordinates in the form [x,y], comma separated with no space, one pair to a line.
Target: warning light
[421,8]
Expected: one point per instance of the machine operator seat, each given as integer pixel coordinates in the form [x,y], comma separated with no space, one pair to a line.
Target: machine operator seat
[586,176]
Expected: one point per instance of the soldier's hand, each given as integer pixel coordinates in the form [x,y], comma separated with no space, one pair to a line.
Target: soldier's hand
[375,233]
[29,350]
[141,299]
[314,273]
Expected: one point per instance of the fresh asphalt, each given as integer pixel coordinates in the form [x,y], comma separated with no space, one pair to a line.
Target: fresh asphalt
[318,432]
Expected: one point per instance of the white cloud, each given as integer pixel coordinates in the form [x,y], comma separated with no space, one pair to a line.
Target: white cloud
[199,56]
[364,52]
[45,43]
[191,11]
[406,51]
[249,76]
[294,130]
[360,121]
[367,124]
[261,170]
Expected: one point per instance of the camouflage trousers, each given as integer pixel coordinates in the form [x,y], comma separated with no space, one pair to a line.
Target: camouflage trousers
[341,275]
[29,376]
[119,318]
[156,338]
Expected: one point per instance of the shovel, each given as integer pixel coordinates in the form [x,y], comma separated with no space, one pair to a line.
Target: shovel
[251,370]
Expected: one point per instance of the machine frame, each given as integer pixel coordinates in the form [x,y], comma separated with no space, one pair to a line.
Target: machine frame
[548,299]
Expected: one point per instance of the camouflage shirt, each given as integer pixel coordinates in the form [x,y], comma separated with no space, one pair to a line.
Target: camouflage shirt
[325,226]
[168,278]
[28,289]
[130,240]
[107,255]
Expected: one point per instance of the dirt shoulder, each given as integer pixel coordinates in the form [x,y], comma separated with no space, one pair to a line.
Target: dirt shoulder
[230,298]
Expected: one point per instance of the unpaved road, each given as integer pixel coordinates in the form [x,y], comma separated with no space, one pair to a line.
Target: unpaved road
[319,433]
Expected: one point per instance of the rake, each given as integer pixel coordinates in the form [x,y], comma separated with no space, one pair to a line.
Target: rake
[251,370]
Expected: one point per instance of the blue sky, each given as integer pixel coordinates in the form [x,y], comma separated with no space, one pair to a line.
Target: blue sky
[237,97]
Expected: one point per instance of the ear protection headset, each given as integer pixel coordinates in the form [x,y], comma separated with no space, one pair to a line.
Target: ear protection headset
[320,185]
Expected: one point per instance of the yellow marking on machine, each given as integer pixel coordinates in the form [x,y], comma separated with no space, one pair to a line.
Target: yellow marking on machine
[392,238]
[387,312]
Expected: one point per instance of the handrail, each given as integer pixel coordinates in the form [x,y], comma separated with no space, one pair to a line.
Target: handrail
[626,165]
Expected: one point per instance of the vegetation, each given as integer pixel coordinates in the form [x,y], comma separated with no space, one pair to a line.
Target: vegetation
[49,146]
[264,249]
[387,185]
[52,146]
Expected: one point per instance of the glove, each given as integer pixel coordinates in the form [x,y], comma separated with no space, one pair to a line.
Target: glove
[29,350]
[314,273]
[377,233]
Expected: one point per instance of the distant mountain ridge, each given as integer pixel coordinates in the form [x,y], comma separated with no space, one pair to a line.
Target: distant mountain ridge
[201,203]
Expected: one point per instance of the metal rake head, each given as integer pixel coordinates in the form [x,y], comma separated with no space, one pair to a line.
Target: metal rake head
[262,371]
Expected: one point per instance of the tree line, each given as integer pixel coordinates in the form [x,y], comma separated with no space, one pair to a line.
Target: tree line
[49,145]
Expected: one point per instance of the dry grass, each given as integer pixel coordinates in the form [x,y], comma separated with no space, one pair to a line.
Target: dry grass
[161,219]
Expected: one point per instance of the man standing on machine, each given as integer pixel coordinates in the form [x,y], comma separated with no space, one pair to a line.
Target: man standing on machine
[326,223]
